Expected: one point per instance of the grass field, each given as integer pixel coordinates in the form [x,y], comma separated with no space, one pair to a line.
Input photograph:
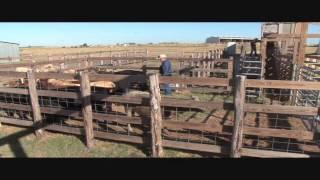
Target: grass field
[153,50]
[56,145]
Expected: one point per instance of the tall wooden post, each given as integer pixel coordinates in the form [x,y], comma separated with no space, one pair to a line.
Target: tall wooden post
[62,67]
[302,45]
[263,52]
[198,67]
[239,101]
[209,67]
[156,118]
[204,67]
[86,107]
[34,103]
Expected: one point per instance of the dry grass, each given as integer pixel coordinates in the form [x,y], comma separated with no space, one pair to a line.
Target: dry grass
[154,50]
[55,145]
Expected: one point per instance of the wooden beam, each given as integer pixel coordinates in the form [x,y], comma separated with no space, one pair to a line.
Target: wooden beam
[86,107]
[60,76]
[286,36]
[211,70]
[178,125]
[271,154]
[34,101]
[13,74]
[237,135]
[313,35]
[156,117]
[15,90]
[279,109]
[282,133]
[196,147]
[282,84]
[302,46]
[16,122]
[120,137]
[196,81]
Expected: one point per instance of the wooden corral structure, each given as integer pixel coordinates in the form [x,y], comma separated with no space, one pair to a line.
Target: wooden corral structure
[266,126]
[283,49]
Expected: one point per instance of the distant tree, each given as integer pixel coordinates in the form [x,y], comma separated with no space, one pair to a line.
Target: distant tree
[84,45]
[212,40]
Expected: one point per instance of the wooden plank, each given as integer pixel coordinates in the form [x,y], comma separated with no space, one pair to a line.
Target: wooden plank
[237,135]
[281,84]
[156,117]
[117,77]
[196,81]
[270,154]
[282,36]
[313,35]
[65,129]
[14,90]
[178,125]
[282,133]
[13,74]
[18,107]
[121,119]
[120,137]
[61,76]
[62,112]
[279,109]
[34,100]
[211,70]
[196,147]
[16,122]
[58,94]
[206,106]
[86,107]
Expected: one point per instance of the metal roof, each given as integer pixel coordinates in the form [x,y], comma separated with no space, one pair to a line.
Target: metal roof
[8,42]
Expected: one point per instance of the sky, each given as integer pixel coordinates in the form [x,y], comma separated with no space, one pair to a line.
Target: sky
[68,34]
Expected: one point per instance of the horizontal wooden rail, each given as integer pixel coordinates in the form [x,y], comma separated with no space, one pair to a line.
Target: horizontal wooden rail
[282,84]
[12,74]
[313,35]
[271,154]
[197,81]
[75,60]
[211,70]
[280,109]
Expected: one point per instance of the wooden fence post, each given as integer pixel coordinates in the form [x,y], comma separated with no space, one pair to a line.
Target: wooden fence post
[156,118]
[239,101]
[86,107]
[35,103]
[198,67]
[62,67]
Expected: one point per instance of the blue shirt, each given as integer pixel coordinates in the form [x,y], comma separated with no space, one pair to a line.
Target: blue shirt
[165,68]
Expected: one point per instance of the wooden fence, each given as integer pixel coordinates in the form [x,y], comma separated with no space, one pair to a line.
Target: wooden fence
[151,129]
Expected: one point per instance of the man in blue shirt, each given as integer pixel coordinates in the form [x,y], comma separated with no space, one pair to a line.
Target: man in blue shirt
[166,70]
